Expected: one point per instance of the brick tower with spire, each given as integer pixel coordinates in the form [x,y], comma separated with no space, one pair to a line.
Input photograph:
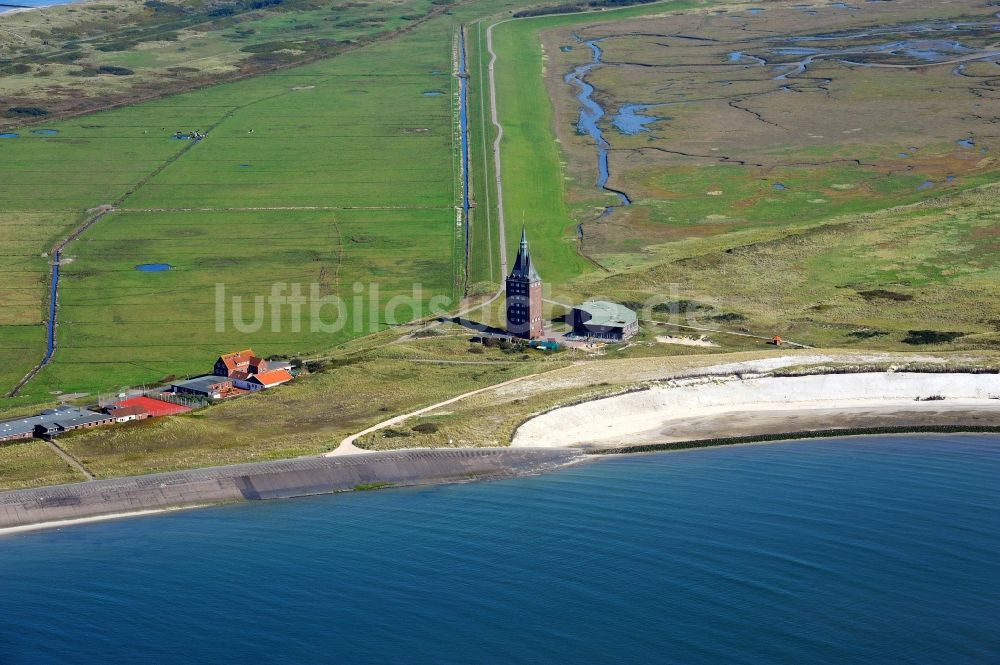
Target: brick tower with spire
[524,296]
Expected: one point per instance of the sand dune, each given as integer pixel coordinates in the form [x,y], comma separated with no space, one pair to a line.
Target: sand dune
[713,407]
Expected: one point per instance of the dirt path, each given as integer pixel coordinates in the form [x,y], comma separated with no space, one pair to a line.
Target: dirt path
[347,446]
[69,459]
[494,117]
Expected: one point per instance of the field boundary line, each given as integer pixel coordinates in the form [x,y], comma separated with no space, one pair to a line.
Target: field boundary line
[281,208]
[101,212]
[482,128]
[50,342]
[494,117]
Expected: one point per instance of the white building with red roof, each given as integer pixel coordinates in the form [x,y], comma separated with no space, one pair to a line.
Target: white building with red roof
[261,380]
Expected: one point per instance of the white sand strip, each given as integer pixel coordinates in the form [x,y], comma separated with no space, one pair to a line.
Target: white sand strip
[11,530]
[623,419]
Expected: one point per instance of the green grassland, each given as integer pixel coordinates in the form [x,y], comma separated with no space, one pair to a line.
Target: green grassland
[733,147]
[532,162]
[484,266]
[72,59]
[347,176]
[121,327]
[24,274]
[708,224]
[857,280]
[354,389]
[31,464]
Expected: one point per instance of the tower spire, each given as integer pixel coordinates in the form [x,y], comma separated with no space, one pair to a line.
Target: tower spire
[523,266]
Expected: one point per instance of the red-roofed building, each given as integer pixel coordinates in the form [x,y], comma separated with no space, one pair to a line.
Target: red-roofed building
[124,414]
[269,379]
[239,361]
[154,407]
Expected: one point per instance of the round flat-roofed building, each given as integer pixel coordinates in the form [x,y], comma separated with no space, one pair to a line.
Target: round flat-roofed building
[600,319]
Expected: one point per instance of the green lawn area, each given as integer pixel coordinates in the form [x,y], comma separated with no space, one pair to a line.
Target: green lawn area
[353,132]
[84,57]
[31,464]
[484,266]
[119,326]
[347,176]
[859,280]
[532,160]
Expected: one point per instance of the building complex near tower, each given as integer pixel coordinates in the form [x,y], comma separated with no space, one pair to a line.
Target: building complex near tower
[524,296]
[599,319]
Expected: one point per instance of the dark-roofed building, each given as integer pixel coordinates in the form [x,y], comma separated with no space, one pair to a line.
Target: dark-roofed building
[52,422]
[15,430]
[69,420]
[212,387]
[524,295]
[599,319]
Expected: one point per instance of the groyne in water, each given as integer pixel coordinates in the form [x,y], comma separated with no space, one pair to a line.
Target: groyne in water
[270,480]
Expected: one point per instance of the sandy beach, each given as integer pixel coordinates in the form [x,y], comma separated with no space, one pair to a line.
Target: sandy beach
[702,408]
[57,524]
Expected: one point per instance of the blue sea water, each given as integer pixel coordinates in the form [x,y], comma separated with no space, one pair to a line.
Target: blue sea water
[862,550]
[36,3]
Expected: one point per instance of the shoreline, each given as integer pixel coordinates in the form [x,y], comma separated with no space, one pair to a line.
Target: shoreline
[58,524]
[683,413]
[10,11]
[583,456]
[133,496]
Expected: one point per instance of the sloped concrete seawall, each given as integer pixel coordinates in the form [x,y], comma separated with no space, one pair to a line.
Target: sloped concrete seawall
[269,480]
